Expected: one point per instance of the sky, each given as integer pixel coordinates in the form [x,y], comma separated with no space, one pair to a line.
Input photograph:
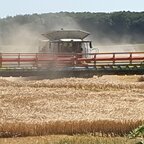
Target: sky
[21,7]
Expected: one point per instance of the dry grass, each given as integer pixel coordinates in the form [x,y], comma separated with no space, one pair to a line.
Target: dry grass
[62,139]
[95,140]
[52,139]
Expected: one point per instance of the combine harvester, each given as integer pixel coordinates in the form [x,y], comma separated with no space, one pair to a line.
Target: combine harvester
[66,53]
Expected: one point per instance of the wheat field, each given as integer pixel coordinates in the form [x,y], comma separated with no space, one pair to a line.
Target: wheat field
[107,105]
[68,99]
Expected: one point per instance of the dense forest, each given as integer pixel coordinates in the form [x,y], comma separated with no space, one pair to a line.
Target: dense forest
[116,27]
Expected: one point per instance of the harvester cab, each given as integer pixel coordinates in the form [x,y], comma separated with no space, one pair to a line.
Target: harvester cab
[65,42]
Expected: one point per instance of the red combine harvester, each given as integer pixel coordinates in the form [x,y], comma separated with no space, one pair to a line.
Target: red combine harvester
[66,53]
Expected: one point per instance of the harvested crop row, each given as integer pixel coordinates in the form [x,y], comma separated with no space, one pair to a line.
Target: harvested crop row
[95,83]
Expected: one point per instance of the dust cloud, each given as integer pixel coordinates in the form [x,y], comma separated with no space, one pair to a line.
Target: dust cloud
[124,45]
[25,38]
[21,39]
[67,23]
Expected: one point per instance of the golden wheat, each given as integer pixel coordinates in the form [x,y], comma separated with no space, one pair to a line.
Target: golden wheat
[70,99]
[99,128]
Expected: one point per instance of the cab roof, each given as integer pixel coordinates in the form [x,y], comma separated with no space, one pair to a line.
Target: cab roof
[66,34]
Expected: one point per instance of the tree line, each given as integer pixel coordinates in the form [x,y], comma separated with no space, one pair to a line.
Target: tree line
[123,26]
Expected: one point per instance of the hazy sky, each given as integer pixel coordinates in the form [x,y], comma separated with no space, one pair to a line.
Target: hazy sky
[15,7]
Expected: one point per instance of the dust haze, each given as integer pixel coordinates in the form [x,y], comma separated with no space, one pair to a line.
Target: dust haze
[66,22]
[124,45]
[21,40]
[25,38]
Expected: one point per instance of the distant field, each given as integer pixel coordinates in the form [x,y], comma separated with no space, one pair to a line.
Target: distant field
[102,48]
[121,48]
